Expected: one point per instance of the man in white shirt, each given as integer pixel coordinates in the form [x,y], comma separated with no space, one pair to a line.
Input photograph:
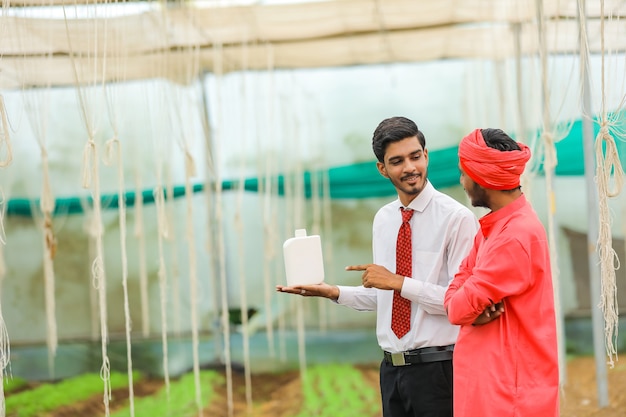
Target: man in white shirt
[416,370]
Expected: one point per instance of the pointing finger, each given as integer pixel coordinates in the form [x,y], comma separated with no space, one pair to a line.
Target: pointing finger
[357,267]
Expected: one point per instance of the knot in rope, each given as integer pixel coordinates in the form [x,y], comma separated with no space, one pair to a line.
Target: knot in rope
[89,154]
[608,162]
[97,271]
[550,158]
[112,145]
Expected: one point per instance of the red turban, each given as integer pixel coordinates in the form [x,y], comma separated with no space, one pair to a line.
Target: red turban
[489,167]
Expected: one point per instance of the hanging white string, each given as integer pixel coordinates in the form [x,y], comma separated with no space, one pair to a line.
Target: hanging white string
[47,204]
[328,249]
[113,155]
[37,112]
[288,224]
[5,347]
[91,179]
[317,202]
[161,152]
[49,250]
[6,149]
[269,215]
[173,250]
[190,171]
[219,217]
[609,261]
[159,200]
[212,236]
[3,236]
[239,227]
[298,214]
[91,250]
[5,357]
[549,164]
[139,233]
[607,163]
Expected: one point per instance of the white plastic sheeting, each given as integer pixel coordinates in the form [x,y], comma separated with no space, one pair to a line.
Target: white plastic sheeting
[183,40]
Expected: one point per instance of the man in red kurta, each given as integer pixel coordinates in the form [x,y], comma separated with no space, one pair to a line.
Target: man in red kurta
[506,358]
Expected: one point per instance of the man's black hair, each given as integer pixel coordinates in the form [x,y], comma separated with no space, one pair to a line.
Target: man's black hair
[391,130]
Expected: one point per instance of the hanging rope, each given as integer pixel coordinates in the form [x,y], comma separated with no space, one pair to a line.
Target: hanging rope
[139,233]
[163,234]
[549,164]
[6,148]
[329,257]
[607,163]
[317,201]
[3,236]
[113,155]
[49,250]
[91,249]
[299,221]
[609,261]
[190,171]
[190,70]
[173,250]
[91,179]
[287,231]
[5,347]
[270,237]
[5,357]
[37,112]
[159,199]
[239,227]
[219,216]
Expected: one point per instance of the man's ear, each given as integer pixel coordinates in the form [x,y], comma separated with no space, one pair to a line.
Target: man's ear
[381,169]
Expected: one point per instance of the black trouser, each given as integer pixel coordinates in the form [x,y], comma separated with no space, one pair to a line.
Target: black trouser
[418,390]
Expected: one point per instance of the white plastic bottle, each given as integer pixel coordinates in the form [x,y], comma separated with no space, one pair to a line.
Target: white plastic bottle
[304,264]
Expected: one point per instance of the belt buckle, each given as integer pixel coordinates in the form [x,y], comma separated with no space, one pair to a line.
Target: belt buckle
[397,359]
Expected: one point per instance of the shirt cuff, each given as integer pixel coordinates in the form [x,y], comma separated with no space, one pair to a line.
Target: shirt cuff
[411,288]
[346,295]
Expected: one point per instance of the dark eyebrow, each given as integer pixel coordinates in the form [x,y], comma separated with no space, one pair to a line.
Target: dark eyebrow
[416,152]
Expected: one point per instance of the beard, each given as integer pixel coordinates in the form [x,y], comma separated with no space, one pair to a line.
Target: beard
[412,190]
[478,196]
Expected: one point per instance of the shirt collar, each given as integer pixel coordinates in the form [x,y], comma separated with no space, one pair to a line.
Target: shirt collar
[490,219]
[420,202]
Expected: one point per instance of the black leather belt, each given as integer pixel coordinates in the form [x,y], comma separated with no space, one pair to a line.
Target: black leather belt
[422,355]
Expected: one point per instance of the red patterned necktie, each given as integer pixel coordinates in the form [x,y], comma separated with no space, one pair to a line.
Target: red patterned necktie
[401,311]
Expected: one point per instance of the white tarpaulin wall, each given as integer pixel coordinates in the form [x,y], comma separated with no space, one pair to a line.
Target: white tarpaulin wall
[103,45]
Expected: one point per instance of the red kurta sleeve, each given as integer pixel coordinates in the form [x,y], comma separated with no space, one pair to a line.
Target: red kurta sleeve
[498,275]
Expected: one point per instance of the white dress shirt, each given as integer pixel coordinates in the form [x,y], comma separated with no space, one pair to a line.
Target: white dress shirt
[442,233]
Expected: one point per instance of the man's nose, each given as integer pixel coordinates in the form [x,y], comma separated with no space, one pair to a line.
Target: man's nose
[407,165]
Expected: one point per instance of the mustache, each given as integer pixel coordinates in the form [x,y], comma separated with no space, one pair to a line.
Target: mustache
[411,175]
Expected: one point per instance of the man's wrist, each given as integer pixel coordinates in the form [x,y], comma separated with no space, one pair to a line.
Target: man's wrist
[400,282]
